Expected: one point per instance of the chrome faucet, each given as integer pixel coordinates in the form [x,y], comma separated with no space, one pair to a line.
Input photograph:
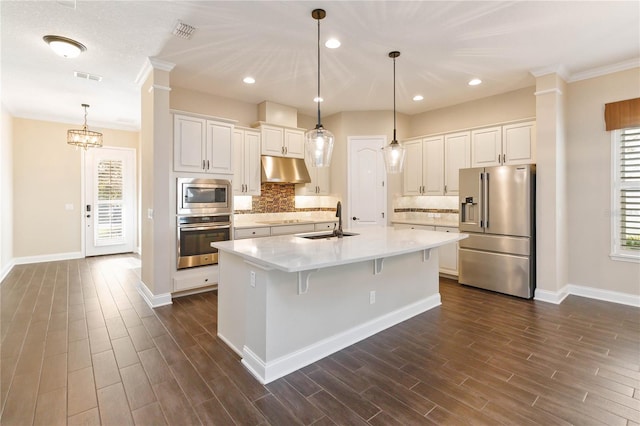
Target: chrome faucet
[338,232]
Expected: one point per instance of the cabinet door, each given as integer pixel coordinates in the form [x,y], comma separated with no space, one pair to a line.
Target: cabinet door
[433,166]
[519,144]
[252,163]
[412,175]
[486,147]
[272,140]
[294,143]
[238,162]
[219,147]
[189,135]
[456,157]
[448,255]
[323,180]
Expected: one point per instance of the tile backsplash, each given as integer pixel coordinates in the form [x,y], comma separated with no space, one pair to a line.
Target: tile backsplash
[281,198]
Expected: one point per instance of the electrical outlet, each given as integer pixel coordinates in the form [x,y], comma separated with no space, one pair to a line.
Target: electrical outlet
[372,297]
[252,279]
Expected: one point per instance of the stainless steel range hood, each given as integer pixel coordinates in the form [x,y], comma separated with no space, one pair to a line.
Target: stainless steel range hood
[284,170]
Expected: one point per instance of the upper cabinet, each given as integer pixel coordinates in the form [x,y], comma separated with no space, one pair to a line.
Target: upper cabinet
[457,147]
[320,181]
[503,145]
[282,141]
[246,156]
[432,164]
[201,145]
[424,166]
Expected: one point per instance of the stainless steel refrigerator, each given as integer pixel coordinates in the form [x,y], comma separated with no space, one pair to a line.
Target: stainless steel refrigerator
[497,210]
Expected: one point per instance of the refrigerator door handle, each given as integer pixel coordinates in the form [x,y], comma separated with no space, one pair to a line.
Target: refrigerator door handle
[485,201]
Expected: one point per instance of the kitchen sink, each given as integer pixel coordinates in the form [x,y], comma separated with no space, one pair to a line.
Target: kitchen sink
[325,235]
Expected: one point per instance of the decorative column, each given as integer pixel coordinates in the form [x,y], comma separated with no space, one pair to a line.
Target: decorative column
[551,182]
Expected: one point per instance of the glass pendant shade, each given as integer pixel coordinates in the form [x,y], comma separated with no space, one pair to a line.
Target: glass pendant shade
[393,155]
[84,137]
[318,144]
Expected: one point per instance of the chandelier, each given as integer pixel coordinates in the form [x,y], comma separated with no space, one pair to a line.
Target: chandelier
[84,137]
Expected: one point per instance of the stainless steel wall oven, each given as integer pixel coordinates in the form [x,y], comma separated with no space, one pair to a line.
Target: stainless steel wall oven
[195,235]
[203,208]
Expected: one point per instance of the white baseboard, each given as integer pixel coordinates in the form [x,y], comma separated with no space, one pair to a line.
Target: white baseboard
[231,345]
[6,269]
[153,300]
[267,372]
[589,292]
[47,258]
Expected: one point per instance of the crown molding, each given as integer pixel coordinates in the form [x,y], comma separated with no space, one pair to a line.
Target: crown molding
[552,69]
[152,64]
[604,70]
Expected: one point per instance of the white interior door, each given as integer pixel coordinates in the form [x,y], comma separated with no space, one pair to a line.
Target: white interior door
[367,190]
[109,201]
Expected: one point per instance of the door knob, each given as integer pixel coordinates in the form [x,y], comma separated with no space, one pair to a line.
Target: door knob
[355,218]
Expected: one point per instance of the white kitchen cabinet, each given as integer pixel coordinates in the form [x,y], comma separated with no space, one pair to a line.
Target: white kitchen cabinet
[292,229]
[503,145]
[457,156]
[424,167]
[519,143]
[447,255]
[246,157]
[242,233]
[325,226]
[201,145]
[195,278]
[282,141]
[320,181]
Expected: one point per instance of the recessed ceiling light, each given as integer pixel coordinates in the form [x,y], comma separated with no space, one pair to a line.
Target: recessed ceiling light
[249,80]
[418,97]
[63,46]
[317,99]
[475,82]
[332,43]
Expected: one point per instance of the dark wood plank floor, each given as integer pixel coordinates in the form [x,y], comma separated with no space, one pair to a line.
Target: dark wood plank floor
[79,346]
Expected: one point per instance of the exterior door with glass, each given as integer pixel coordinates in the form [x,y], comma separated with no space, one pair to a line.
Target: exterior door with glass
[109,201]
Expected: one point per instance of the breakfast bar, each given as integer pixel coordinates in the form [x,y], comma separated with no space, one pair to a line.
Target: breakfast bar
[285,302]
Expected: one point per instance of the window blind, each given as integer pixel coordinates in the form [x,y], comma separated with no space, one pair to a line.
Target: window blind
[109,213]
[630,189]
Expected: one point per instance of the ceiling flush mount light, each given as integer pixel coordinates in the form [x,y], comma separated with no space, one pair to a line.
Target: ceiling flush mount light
[319,141]
[63,46]
[394,153]
[84,137]
[474,82]
[249,80]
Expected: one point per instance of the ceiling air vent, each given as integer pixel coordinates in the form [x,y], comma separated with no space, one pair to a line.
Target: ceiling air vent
[87,76]
[183,30]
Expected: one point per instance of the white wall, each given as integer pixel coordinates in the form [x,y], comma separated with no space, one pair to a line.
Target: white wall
[589,183]
[6,192]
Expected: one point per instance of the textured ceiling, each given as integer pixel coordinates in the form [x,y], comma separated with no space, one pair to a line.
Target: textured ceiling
[442,45]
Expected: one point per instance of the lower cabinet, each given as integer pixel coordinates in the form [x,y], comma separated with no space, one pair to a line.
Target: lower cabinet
[448,255]
[189,279]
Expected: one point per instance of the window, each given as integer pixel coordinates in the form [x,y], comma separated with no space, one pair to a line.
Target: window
[626,195]
[109,227]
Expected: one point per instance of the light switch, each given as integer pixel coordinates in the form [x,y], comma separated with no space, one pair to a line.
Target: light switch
[150,213]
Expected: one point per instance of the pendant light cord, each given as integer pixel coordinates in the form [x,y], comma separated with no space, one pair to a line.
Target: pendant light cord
[394,101]
[319,123]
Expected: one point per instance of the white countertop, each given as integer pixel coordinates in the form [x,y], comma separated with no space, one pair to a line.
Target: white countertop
[291,253]
[429,222]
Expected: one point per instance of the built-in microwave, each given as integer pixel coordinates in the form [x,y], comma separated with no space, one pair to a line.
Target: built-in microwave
[203,196]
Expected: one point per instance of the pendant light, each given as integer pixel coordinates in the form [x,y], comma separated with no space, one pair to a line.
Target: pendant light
[319,141]
[394,152]
[84,137]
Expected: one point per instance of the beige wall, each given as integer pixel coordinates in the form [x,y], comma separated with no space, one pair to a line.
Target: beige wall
[6,192]
[362,123]
[589,183]
[203,103]
[511,106]
[46,176]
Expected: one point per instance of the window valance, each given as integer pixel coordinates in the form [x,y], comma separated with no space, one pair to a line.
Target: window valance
[622,114]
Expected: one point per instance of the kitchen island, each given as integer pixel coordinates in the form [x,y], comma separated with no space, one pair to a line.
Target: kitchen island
[287,301]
